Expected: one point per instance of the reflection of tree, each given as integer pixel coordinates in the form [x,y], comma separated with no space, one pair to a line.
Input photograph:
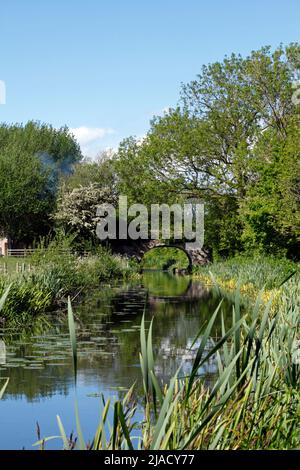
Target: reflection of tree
[175,327]
[11,332]
[164,284]
[39,384]
[109,337]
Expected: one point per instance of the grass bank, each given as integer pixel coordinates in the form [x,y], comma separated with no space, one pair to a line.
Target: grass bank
[250,274]
[55,276]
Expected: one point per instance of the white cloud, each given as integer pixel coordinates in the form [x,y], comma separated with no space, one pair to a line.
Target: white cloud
[89,138]
[86,135]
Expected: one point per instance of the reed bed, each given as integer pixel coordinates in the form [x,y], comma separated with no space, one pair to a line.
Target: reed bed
[254,402]
[52,278]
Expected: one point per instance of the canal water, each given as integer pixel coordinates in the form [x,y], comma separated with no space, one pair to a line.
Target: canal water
[39,364]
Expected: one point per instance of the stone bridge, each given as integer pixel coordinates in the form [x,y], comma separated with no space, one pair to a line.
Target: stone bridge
[137,248]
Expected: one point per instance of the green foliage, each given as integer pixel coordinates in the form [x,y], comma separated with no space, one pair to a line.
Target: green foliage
[165,258]
[271,207]
[35,138]
[259,270]
[254,402]
[26,201]
[102,266]
[233,143]
[86,172]
[32,157]
[56,263]
[26,299]
[57,273]
[11,263]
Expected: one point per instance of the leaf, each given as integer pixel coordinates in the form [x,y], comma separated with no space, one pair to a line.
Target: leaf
[100,433]
[201,348]
[124,426]
[45,439]
[72,337]
[4,297]
[81,440]
[165,412]
[2,390]
[63,434]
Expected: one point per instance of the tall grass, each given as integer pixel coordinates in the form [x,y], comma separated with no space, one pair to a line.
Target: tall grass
[54,277]
[254,402]
[260,271]
[165,258]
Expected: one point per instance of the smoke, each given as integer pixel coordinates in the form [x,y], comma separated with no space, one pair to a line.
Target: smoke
[55,169]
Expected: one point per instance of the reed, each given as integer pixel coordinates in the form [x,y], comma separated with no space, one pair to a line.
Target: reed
[254,402]
[55,276]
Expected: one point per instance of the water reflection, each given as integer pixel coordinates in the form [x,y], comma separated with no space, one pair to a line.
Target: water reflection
[40,367]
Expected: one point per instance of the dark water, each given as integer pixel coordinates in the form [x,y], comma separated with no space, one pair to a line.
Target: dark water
[39,365]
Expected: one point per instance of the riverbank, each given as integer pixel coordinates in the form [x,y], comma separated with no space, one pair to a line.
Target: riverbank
[250,402]
[53,277]
[250,275]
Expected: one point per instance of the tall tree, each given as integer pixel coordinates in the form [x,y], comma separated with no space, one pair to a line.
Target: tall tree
[207,147]
[270,210]
[26,199]
[32,158]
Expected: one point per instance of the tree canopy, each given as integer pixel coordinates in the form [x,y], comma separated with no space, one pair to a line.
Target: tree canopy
[32,159]
[232,141]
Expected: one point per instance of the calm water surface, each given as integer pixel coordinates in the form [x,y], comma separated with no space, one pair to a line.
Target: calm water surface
[39,364]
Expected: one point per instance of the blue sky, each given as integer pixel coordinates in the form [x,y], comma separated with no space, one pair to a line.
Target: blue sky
[104,68]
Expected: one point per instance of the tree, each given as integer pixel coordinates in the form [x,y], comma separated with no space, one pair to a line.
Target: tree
[271,209]
[99,171]
[51,145]
[26,200]
[207,147]
[32,159]
[76,210]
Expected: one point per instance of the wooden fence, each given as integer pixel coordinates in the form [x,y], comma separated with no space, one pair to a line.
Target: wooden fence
[21,266]
[23,252]
[20,252]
